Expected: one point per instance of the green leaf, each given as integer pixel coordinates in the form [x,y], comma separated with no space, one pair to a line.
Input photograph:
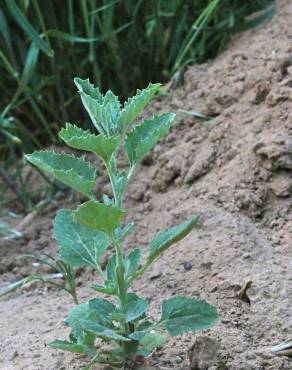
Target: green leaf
[121,233]
[183,314]
[112,110]
[121,182]
[102,331]
[89,89]
[135,105]
[144,137]
[104,111]
[118,316]
[111,268]
[79,245]
[167,238]
[102,289]
[80,139]
[19,17]
[135,307]
[137,335]
[103,310]
[64,345]
[132,262]
[99,216]
[72,171]
[153,340]
[64,36]
[81,311]
[144,325]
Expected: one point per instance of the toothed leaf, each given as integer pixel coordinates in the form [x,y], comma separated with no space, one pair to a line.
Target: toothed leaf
[144,137]
[104,111]
[99,216]
[167,238]
[80,139]
[183,314]
[79,245]
[72,171]
[89,89]
[101,331]
[134,106]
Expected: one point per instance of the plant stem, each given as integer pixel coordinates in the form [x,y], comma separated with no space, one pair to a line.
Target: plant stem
[121,283]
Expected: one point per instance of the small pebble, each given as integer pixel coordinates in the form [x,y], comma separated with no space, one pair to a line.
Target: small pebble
[155,276]
[187,265]
[14,354]
[178,359]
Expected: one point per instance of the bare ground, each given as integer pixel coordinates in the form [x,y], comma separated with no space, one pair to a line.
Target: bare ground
[235,170]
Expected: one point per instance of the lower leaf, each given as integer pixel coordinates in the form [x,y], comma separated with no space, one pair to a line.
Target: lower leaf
[184,314]
[153,340]
[64,345]
[101,331]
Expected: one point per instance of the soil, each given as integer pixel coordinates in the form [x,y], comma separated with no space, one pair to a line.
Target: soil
[236,170]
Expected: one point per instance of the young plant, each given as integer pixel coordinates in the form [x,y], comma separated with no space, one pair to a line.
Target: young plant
[62,270]
[85,233]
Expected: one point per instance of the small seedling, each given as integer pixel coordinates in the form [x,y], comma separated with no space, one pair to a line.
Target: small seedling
[62,270]
[84,234]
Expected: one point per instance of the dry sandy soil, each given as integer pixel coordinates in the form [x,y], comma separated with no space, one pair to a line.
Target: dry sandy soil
[236,169]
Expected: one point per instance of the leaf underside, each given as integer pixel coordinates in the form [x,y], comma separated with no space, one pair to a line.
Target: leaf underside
[79,245]
[72,171]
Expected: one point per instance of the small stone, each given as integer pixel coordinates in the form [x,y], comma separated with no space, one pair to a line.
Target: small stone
[187,265]
[155,275]
[213,289]
[178,359]
[14,354]
[204,354]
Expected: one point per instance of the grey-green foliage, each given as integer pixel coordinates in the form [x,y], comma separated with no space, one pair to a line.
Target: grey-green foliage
[84,234]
